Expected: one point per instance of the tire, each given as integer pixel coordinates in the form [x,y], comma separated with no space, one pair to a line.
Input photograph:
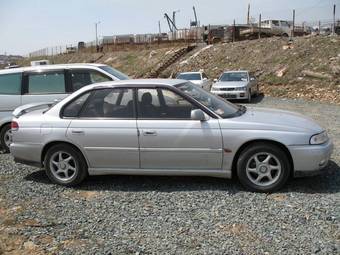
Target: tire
[5,131]
[254,175]
[248,100]
[72,167]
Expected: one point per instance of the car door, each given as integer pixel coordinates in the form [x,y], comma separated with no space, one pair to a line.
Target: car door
[10,91]
[169,139]
[44,86]
[106,130]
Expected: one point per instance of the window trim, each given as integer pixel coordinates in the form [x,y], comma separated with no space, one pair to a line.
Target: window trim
[92,92]
[25,83]
[162,102]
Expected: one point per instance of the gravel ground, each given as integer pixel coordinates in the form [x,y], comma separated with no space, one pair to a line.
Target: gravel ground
[168,215]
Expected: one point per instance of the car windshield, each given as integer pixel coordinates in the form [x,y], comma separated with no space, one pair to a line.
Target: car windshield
[216,104]
[189,76]
[115,73]
[236,76]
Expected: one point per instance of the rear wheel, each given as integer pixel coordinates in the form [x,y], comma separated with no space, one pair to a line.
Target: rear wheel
[65,166]
[263,167]
[6,138]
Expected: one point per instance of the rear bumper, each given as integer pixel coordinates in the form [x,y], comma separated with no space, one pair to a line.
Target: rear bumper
[231,94]
[311,159]
[29,154]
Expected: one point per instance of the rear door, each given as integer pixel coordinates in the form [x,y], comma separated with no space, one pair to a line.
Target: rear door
[44,86]
[107,130]
[10,91]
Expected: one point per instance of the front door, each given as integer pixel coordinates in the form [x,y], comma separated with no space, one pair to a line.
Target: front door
[106,130]
[169,139]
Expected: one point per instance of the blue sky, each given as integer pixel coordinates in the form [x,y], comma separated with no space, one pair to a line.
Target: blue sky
[28,25]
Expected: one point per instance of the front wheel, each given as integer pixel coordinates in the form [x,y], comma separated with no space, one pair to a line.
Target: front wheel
[65,166]
[263,167]
[6,138]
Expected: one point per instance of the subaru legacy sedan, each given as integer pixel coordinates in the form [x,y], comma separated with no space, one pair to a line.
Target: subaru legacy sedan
[166,127]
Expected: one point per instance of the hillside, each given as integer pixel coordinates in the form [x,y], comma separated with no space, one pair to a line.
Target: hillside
[307,68]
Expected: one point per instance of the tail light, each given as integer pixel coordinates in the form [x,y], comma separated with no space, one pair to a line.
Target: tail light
[14,126]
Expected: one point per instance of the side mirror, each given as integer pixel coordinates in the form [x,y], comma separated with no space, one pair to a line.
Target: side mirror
[215,80]
[198,115]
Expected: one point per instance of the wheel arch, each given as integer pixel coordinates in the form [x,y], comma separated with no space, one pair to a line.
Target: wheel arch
[266,141]
[54,143]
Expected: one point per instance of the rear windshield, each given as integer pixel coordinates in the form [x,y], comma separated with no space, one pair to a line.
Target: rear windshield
[189,76]
[115,73]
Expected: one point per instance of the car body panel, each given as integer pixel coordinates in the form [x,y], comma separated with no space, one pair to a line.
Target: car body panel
[194,144]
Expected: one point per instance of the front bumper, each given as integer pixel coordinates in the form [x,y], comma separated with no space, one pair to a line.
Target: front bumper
[310,159]
[231,94]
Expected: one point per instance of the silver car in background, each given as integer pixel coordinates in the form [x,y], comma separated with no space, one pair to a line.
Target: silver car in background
[197,78]
[236,85]
[166,127]
[45,83]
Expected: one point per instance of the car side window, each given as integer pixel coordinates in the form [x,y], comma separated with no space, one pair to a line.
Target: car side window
[10,84]
[83,77]
[72,109]
[110,103]
[171,105]
[46,83]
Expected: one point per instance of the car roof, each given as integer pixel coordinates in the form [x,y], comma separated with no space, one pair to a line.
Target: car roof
[137,82]
[49,67]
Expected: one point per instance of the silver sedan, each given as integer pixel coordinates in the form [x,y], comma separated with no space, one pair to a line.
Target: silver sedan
[166,127]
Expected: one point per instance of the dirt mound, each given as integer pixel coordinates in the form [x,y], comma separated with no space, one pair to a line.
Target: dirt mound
[308,67]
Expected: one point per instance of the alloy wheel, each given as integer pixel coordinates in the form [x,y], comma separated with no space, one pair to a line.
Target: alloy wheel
[263,169]
[63,166]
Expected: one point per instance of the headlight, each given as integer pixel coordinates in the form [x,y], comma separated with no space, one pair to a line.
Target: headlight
[319,138]
[241,89]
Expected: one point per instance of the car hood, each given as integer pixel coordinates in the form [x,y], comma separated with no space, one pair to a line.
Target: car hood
[230,84]
[271,119]
[196,82]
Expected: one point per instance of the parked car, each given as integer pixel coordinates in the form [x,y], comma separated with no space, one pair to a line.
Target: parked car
[236,85]
[121,128]
[198,78]
[45,84]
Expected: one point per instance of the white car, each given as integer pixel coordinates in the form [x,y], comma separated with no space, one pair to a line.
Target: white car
[47,83]
[236,85]
[197,78]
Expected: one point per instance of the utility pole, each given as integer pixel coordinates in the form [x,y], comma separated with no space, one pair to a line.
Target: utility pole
[96,26]
[319,27]
[234,30]
[260,20]
[248,14]
[293,30]
[334,9]
[159,27]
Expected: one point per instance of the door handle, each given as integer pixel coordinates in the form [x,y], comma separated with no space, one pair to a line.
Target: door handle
[150,133]
[78,132]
